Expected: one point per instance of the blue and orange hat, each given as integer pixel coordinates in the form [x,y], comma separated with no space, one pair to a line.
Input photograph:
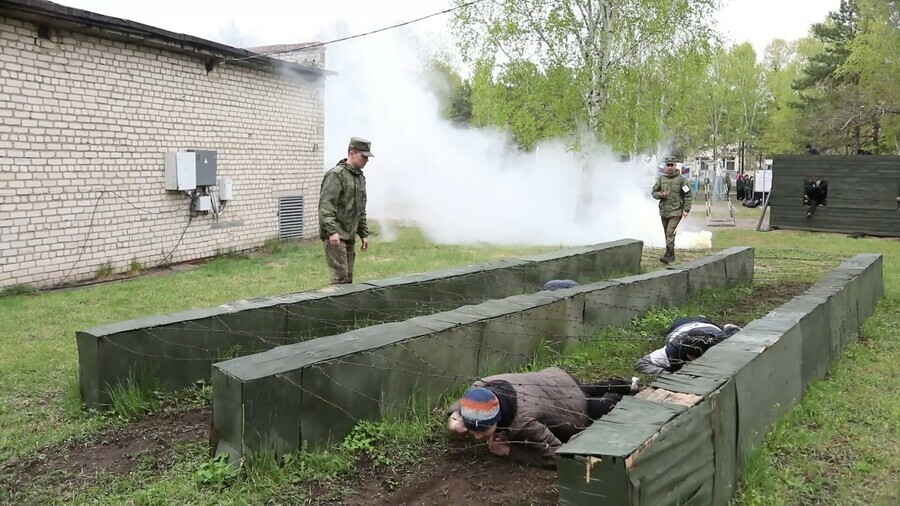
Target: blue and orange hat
[479,408]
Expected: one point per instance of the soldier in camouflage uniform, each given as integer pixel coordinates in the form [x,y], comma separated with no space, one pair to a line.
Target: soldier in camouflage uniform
[342,211]
[675,201]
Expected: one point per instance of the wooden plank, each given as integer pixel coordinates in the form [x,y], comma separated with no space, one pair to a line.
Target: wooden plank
[662,395]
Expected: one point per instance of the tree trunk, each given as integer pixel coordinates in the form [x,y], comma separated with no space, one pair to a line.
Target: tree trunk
[857,139]
[585,196]
[876,137]
[597,56]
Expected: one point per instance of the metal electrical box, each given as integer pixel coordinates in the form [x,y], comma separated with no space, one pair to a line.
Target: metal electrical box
[225,189]
[206,167]
[181,171]
[203,203]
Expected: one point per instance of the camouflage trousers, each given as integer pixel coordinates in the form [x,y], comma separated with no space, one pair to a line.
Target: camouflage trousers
[340,261]
[669,226]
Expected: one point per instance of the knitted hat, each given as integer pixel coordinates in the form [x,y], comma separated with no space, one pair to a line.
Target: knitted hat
[480,409]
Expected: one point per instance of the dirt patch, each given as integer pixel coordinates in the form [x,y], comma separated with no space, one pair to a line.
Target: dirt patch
[147,444]
[457,474]
[765,297]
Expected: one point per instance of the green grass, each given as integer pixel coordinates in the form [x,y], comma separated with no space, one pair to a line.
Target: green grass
[846,428]
[138,395]
[841,444]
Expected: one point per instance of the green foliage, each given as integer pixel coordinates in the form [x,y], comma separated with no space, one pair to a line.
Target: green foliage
[655,322]
[782,64]
[321,465]
[568,67]
[848,98]
[138,395]
[453,92]
[216,472]
[872,61]
[18,289]
[273,245]
[390,442]
[105,271]
[136,266]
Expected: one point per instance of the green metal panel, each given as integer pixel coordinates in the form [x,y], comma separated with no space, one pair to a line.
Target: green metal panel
[767,387]
[724,412]
[678,466]
[747,383]
[357,375]
[180,348]
[592,481]
[621,432]
[634,295]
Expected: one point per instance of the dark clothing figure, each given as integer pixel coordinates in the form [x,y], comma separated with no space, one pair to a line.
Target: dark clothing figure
[816,191]
[739,187]
[688,338]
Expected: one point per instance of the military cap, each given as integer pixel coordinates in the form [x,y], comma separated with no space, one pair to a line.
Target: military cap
[670,159]
[361,145]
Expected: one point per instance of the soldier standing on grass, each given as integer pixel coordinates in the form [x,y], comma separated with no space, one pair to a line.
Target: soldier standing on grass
[342,211]
[675,201]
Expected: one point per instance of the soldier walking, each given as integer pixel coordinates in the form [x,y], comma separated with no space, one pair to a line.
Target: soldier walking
[342,211]
[675,201]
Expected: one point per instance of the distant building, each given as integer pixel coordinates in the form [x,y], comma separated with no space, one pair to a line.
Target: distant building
[90,106]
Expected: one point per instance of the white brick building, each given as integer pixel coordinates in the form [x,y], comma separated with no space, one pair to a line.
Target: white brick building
[90,105]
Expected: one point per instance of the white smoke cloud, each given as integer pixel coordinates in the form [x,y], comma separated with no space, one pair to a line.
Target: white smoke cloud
[467,186]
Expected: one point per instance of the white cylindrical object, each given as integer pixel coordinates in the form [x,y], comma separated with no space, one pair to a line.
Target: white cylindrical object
[225,188]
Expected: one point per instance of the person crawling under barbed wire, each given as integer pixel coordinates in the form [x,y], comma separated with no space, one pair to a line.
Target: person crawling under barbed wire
[688,338]
[528,416]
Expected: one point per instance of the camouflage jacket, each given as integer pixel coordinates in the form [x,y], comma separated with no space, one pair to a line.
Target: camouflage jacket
[342,203]
[679,197]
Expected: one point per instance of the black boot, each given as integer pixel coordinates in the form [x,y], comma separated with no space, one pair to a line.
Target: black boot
[669,256]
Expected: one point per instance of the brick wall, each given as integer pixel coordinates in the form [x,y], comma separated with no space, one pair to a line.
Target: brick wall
[85,123]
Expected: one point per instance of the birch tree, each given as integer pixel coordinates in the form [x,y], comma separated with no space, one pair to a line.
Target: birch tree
[597,40]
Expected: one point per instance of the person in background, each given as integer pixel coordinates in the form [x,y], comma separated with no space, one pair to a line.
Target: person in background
[528,416]
[675,201]
[558,284]
[342,211]
[816,191]
[688,338]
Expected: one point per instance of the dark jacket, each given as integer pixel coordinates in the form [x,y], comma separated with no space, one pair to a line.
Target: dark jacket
[691,336]
[540,411]
[342,203]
